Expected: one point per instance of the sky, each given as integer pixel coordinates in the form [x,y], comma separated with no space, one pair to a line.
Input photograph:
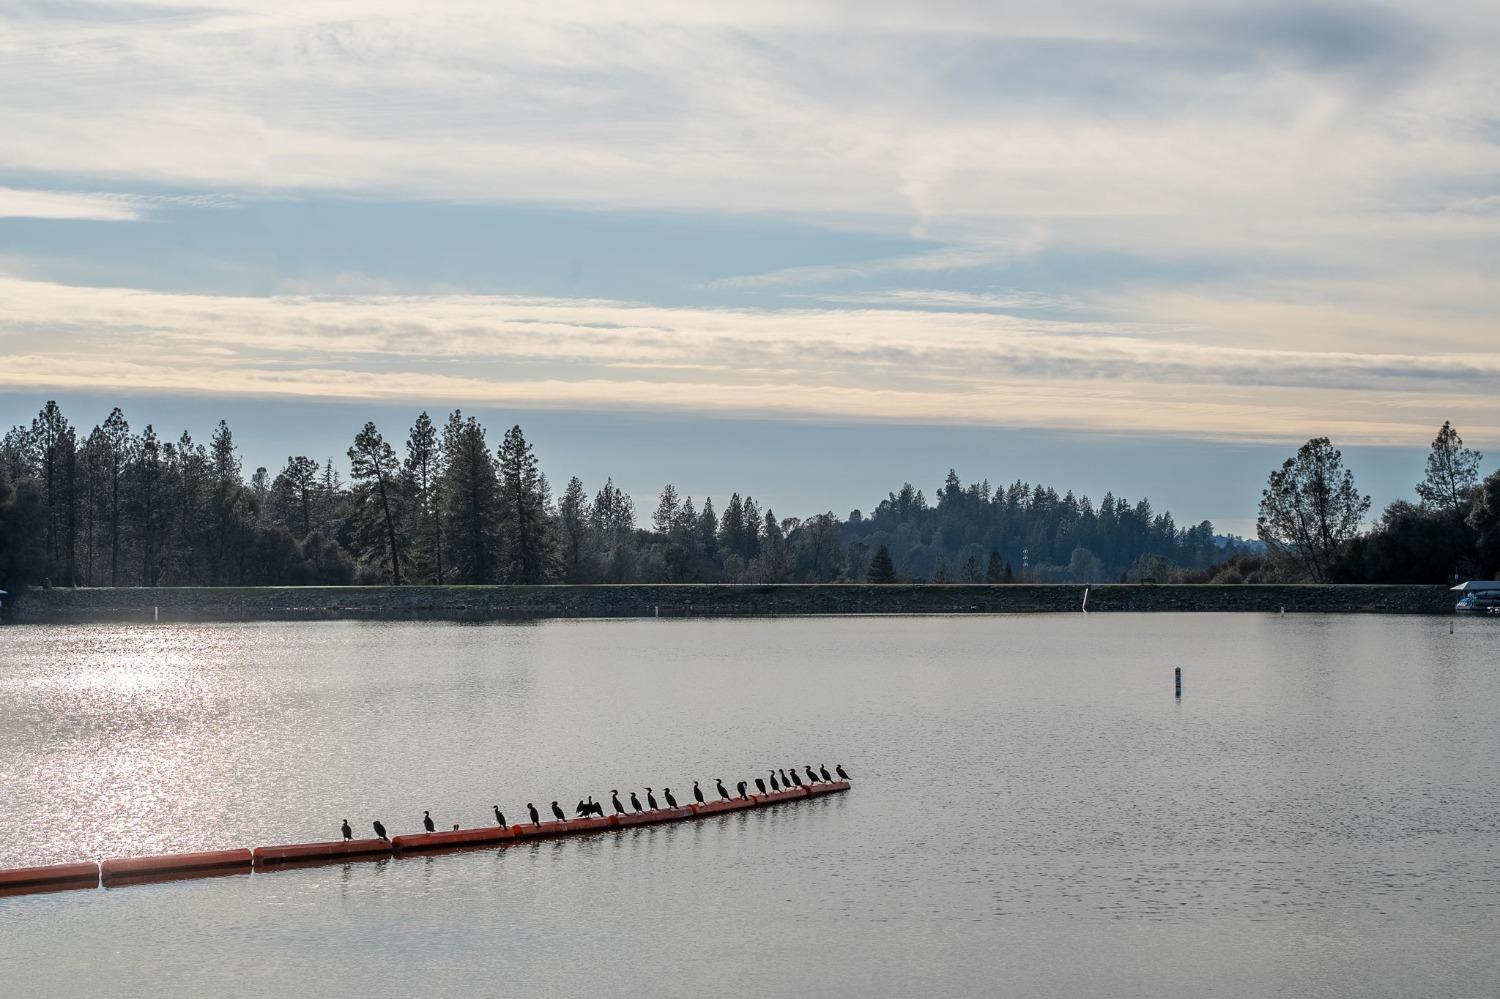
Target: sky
[807,251]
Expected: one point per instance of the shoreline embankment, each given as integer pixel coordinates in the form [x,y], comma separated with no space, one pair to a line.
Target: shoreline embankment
[485,603]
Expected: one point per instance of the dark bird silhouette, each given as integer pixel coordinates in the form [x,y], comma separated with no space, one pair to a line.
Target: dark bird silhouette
[380,830]
[784,781]
[840,771]
[722,793]
[740,787]
[812,777]
[614,796]
[584,809]
[824,772]
[650,800]
[536,819]
[760,785]
[559,813]
[795,779]
[774,786]
[500,818]
[348,833]
[697,792]
[635,802]
[666,792]
[427,822]
[598,809]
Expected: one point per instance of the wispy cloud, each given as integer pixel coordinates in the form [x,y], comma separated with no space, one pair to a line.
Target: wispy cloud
[869,364]
[31,204]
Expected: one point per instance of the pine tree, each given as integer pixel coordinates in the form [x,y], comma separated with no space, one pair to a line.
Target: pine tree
[117,463]
[374,467]
[665,517]
[471,500]
[882,569]
[573,520]
[1452,473]
[420,475]
[525,527]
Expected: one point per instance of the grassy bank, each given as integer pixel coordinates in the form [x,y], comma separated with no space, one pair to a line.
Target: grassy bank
[470,603]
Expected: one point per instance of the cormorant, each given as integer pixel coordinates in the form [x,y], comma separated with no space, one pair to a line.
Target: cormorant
[559,813]
[650,799]
[774,786]
[500,818]
[795,779]
[824,771]
[666,792]
[840,771]
[760,785]
[784,781]
[427,822]
[536,819]
[810,775]
[614,796]
[584,810]
[741,788]
[635,802]
[348,833]
[380,830]
[722,793]
[697,792]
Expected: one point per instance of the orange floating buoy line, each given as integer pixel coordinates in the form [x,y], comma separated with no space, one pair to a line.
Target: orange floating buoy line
[121,871]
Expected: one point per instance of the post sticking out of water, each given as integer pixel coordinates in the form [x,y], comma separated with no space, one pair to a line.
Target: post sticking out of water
[1085,599]
[1179,682]
[1283,610]
[658,609]
[156,615]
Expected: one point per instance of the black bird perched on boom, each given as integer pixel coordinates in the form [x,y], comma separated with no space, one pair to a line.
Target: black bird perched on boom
[536,819]
[810,775]
[784,781]
[500,818]
[614,797]
[824,771]
[635,802]
[760,785]
[722,793]
[774,786]
[380,830]
[740,787]
[666,792]
[348,833]
[584,809]
[697,792]
[427,821]
[840,771]
[559,813]
[650,800]
[795,779]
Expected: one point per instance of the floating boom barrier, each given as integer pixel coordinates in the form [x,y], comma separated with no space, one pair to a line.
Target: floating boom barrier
[121,871]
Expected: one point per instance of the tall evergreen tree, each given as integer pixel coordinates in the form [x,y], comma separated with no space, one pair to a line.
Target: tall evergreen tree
[471,500]
[525,527]
[116,442]
[421,472]
[667,509]
[374,468]
[882,569]
[573,520]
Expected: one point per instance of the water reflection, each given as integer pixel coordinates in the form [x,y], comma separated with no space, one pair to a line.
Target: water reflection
[1034,812]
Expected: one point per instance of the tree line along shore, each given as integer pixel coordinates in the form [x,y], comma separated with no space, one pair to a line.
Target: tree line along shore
[115,507]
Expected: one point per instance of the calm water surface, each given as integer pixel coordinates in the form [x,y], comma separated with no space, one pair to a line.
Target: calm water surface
[1033,813]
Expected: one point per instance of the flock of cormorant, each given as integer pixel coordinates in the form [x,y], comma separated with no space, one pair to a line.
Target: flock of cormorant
[590,807]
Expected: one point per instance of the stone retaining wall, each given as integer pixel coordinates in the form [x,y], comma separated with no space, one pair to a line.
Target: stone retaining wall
[467,603]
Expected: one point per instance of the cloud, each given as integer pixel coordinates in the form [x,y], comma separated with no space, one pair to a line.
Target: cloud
[23,204]
[862,364]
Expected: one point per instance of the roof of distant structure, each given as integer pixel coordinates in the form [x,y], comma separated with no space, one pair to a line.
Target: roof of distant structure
[1477,584]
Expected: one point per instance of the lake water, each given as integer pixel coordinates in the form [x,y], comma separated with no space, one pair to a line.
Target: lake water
[1033,813]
